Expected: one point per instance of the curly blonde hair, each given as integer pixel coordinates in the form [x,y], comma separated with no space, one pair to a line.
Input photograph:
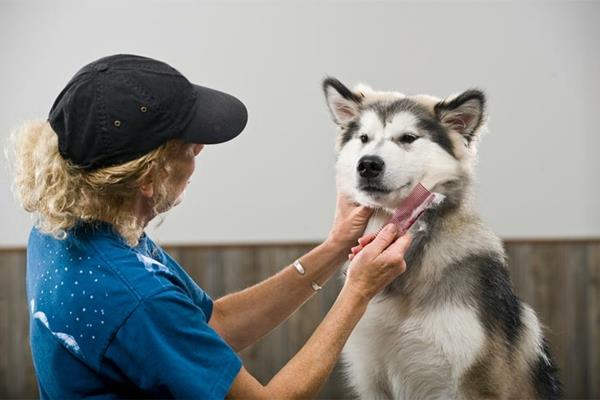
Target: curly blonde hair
[59,194]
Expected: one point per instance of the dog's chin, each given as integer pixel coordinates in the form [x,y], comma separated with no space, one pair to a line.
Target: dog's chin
[378,197]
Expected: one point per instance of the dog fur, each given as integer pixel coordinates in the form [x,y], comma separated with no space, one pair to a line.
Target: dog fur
[451,326]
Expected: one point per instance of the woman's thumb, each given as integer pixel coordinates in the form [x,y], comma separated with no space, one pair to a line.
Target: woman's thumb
[383,238]
[363,212]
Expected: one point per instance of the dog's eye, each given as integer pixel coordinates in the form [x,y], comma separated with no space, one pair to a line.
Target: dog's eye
[408,138]
[364,138]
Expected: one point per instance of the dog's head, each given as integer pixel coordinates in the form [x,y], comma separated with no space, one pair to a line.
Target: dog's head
[389,142]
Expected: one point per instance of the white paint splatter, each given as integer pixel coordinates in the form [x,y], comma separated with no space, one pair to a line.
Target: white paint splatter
[42,317]
[151,264]
[67,340]
[32,305]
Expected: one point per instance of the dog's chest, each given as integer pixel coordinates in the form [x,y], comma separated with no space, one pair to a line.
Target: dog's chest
[399,353]
[377,221]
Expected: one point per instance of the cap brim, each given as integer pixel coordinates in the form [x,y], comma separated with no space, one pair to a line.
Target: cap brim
[218,117]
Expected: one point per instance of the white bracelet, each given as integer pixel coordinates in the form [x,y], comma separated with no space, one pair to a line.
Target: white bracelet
[315,286]
[299,267]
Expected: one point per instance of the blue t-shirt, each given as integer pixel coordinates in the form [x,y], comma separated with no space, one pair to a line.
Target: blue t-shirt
[111,321]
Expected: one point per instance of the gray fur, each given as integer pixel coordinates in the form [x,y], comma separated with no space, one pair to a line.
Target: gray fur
[427,120]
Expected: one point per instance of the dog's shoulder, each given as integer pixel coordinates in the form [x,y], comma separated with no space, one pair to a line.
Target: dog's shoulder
[483,280]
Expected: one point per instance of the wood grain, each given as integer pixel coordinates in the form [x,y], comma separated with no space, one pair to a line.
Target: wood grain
[559,279]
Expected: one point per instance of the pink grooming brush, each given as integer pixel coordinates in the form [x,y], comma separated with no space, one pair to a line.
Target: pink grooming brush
[412,207]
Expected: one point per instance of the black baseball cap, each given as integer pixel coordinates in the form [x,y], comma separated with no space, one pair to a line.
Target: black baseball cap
[123,106]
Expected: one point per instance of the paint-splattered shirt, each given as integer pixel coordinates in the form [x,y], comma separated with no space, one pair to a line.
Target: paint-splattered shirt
[111,321]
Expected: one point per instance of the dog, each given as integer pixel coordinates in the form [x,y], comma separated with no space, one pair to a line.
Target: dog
[451,326]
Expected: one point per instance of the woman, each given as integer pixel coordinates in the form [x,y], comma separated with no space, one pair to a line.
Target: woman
[112,314]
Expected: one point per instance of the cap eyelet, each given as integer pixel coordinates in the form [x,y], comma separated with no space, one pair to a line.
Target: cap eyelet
[143,109]
[117,123]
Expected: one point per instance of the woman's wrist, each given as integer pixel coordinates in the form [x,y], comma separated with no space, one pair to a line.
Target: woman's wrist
[356,299]
[321,263]
[339,249]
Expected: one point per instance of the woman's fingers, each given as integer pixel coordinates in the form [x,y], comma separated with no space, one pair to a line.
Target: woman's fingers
[395,251]
[366,239]
[354,251]
[349,220]
[384,238]
[379,262]
[362,242]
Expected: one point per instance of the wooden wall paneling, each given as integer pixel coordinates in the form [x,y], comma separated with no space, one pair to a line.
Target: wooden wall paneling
[593,319]
[560,280]
[17,377]
[574,272]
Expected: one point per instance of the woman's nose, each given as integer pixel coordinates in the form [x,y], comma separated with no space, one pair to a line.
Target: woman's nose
[198,148]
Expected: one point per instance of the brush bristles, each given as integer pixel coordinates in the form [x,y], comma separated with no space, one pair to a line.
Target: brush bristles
[405,215]
[416,197]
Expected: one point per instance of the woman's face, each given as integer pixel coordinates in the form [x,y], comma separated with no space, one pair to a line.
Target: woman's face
[183,169]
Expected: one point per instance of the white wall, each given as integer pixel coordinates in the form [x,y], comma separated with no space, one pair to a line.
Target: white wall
[538,63]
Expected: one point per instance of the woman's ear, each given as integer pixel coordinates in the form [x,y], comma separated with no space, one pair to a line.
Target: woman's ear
[147,189]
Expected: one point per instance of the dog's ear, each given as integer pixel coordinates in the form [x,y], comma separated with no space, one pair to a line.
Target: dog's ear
[463,113]
[343,103]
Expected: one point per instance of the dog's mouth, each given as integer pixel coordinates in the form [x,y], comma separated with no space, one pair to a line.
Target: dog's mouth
[378,189]
[375,189]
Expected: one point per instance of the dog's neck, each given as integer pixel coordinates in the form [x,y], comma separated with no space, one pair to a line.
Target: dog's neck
[453,228]
[429,226]
[378,219]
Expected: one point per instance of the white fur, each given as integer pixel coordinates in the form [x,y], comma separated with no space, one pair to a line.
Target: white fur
[416,356]
[370,96]
[532,336]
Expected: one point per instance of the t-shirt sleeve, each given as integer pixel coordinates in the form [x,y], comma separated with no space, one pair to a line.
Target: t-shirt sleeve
[167,349]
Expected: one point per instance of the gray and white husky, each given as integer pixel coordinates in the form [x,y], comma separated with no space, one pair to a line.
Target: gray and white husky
[451,326]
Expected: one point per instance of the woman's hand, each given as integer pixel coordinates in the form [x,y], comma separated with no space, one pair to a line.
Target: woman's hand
[379,263]
[362,242]
[349,223]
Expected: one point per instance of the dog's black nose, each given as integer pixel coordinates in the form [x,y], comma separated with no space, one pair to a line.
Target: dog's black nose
[370,166]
